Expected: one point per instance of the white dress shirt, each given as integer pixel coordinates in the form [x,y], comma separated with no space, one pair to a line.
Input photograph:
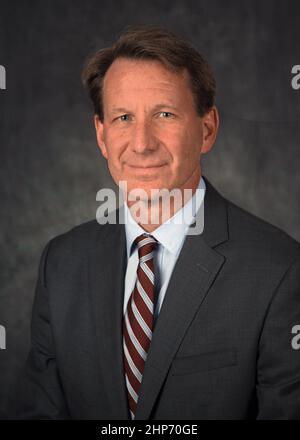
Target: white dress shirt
[170,235]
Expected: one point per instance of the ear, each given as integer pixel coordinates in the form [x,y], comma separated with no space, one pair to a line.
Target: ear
[99,134]
[210,125]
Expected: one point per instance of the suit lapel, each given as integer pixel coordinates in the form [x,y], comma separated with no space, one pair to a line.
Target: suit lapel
[196,268]
[107,274]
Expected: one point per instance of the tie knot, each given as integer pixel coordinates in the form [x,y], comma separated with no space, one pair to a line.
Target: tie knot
[146,244]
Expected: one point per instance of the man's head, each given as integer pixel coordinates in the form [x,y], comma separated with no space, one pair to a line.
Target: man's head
[153,96]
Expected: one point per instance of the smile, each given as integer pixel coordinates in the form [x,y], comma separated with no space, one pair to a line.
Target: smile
[147,167]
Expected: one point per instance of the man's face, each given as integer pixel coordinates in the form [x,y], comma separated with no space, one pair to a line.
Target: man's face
[152,136]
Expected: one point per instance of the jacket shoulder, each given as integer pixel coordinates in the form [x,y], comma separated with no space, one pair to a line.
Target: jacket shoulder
[69,249]
[81,235]
[268,239]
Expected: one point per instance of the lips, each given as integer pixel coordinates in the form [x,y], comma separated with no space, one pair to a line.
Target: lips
[147,166]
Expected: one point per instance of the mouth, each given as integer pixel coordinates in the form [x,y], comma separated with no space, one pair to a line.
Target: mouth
[147,173]
[147,167]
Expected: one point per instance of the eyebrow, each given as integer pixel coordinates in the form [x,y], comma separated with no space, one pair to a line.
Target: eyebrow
[156,107]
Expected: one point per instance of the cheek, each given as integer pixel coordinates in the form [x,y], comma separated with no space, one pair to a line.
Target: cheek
[182,147]
[116,144]
[113,149]
[174,141]
[193,142]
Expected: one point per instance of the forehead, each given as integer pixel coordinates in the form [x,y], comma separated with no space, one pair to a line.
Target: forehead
[129,75]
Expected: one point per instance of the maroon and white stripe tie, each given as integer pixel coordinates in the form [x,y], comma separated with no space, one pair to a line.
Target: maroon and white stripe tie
[138,320]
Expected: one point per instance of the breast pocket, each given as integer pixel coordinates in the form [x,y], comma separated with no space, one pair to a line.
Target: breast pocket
[203,361]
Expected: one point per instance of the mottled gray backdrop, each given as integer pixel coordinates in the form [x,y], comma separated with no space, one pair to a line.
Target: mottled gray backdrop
[51,167]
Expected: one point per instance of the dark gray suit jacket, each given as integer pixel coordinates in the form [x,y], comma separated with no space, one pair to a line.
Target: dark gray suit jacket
[221,348]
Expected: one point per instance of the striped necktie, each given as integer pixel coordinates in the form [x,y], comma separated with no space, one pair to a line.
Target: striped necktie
[138,320]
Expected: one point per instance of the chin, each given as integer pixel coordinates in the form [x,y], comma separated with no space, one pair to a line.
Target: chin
[148,185]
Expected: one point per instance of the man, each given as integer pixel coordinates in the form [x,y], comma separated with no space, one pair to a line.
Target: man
[148,321]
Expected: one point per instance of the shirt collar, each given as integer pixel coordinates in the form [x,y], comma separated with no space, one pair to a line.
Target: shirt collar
[172,232]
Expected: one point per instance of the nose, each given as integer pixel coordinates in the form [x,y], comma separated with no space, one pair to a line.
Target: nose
[142,140]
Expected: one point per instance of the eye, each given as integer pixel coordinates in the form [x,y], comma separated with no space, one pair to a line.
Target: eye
[123,118]
[166,114]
